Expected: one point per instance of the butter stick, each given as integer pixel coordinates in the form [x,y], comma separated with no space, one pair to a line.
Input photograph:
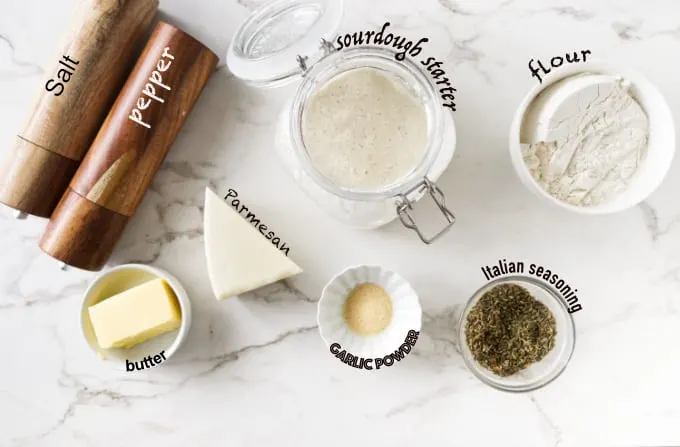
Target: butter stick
[136,315]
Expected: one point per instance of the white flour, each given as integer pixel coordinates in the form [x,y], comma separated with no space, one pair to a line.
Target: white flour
[364,131]
[589,157]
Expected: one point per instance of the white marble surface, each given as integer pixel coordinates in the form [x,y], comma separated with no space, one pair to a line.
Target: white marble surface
[254,371]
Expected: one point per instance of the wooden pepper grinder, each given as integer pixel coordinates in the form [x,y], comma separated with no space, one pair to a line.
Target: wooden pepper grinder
[74,99]
[129,148]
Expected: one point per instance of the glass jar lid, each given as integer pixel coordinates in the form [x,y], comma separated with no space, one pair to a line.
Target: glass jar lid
[267,47]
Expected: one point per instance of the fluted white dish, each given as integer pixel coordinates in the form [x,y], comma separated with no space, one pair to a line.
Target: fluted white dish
[406,312]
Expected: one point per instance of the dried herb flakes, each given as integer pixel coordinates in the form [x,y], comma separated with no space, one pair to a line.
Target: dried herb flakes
[508,329]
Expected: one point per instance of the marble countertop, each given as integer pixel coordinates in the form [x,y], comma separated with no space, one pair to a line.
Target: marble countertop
[254,370]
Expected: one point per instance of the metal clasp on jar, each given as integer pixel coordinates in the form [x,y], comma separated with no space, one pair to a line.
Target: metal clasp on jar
[326,49]
[405,205]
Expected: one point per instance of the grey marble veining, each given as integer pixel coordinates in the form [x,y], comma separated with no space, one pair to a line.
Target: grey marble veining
[254,371]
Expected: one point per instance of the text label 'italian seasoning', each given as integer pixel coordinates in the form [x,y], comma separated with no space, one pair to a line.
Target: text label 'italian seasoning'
[505,267]
[376,363]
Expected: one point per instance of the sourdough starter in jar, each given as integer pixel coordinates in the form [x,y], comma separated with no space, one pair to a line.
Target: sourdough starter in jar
[364,131]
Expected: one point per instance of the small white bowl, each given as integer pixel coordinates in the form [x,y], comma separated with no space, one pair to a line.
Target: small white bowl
[117,280]
[406,312]
[661,146]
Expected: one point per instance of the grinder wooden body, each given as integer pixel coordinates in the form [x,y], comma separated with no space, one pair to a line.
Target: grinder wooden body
[129,148]
[74,98]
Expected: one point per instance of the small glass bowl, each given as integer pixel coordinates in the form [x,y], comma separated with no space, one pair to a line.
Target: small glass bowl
[547,369]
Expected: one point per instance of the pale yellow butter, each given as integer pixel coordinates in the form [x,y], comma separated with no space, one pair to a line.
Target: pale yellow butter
[136,315]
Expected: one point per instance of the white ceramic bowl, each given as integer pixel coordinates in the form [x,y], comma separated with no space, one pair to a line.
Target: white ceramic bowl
[117,280]
[406,312]
[661,147]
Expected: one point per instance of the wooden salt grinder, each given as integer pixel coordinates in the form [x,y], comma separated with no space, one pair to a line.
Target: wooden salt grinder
[74,98]
[129,148]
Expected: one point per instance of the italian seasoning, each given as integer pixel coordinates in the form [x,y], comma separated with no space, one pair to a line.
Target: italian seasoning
[508,330]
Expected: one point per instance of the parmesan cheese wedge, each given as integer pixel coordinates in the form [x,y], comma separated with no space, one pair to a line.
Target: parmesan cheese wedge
[240,258]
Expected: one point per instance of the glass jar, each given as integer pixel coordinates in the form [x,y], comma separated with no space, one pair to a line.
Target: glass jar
[276,44]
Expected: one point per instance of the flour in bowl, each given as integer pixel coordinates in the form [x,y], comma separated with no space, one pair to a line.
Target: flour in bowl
[593,150]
